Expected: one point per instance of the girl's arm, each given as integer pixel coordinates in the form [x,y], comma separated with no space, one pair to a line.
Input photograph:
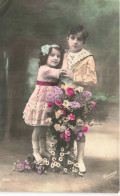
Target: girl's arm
[52,73]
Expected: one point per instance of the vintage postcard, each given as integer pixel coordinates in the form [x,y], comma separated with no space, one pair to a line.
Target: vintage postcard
[59,96]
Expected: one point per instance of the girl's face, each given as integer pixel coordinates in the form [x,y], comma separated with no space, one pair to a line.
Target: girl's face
[75,42]
[54,58]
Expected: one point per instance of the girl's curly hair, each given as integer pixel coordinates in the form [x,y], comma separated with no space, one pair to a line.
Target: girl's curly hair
[43,58]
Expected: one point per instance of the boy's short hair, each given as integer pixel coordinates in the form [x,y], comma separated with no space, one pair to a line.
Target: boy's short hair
[79,29]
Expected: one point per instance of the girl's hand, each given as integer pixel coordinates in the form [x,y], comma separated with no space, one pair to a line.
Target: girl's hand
[63,72]
[68,74]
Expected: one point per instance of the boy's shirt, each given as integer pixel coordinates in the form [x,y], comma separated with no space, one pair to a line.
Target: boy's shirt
[82,66]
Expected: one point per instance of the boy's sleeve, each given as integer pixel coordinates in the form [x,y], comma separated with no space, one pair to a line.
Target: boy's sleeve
[86,73]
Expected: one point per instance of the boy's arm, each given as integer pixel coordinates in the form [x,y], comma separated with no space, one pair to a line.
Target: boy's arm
[86,74]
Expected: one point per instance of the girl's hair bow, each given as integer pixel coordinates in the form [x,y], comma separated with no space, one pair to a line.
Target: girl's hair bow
[45,48]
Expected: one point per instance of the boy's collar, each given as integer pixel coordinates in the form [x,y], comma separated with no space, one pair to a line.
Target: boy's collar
[75,53]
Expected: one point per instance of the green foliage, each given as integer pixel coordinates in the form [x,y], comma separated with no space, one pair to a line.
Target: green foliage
[100,96]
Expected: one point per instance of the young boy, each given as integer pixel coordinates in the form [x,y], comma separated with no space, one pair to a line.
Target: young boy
[80,72]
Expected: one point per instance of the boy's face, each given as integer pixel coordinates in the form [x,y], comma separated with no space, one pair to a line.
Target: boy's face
[75,42]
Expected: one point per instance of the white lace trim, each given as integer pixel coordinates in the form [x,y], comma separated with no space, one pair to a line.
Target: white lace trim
[74,58]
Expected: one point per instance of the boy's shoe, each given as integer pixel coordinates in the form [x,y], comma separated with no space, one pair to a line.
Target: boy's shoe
[80,155]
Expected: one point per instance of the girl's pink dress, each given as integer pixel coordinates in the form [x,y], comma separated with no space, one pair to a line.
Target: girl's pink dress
[36,109]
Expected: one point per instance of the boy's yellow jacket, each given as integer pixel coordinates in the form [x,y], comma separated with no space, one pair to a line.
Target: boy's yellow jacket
[84,71]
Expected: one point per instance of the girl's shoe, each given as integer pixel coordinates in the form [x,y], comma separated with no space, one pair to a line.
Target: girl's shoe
[37,157]
[35,145]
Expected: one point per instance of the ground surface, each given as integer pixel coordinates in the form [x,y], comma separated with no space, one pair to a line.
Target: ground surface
[101,159]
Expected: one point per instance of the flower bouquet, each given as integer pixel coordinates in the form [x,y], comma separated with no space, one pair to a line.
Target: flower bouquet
[70,115]
[30,164]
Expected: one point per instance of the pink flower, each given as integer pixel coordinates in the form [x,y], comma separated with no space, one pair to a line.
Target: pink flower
[62,106]
[80,134]
[67,132]
[50,104]
[64,112]
[58,102]
[67,138]
[49,121]
[71,117]
[70,92]
[62,135]
[93,103]
[85,129]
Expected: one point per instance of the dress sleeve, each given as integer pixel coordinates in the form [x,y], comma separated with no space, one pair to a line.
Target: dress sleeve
[86,74]
[52,73]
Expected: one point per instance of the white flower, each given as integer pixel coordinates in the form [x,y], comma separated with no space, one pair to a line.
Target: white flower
[52,165]
[62,154]
[76,164]
[49,150]
[55,163]
[63,127]
[47,162]
[62,149]
[44,159]
[60,159]
[66,103]
[65,170]
[49,121]
[52,153]
[52,144]
[58,114]
[58,164]
[80,89]
[69,162]
[79,122]
[68,152]
[54,159]
[57,127]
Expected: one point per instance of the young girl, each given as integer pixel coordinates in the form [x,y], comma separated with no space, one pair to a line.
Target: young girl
[80,66]
[36,110]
